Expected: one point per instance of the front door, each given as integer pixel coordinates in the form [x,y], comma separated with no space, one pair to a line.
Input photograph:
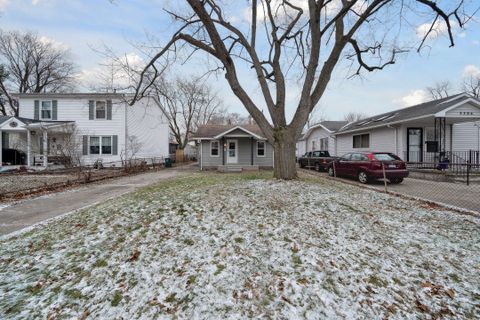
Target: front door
[414,144]
[232,151]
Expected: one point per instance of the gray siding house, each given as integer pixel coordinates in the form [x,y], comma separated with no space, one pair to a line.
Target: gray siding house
[445,128]
[319,137]
[233,148]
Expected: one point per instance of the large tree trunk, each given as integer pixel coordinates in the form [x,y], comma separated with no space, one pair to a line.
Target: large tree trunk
[285,166]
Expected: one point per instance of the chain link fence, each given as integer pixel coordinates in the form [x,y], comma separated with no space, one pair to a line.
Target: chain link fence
[455,185]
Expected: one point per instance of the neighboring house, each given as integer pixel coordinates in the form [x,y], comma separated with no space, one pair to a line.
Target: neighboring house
[225,147]
[319,137]
[421,133]
[104,126]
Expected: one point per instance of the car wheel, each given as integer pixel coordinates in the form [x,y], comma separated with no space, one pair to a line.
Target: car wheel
[331,172]
[317,167]
[396,180]
[363,177]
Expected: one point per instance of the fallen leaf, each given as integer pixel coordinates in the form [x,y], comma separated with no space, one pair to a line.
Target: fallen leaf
[450,293]
[421,306]
[84,315]
[134,256]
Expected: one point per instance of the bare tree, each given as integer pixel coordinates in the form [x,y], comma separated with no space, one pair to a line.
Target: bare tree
[187,104]
[304,40]
[229,118]
[472,86]
[5,98]
[33,64]
[440,90]
[354,116]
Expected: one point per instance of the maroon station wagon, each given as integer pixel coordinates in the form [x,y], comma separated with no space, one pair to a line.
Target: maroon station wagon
[367,166]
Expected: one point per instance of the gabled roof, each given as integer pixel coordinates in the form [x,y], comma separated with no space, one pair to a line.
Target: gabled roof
[84,95]
[430,108]
[330,126]
[214,131]
[24,120]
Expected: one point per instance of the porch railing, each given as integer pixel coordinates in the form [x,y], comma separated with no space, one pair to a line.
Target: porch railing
[435,158]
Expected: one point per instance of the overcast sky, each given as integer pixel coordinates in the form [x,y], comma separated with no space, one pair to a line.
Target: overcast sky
[83,24]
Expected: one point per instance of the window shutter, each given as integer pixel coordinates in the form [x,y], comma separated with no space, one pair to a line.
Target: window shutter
[85,145]
[90,109]
[36,112]
[5,140]
[109,109]
[54,110]
[115,145]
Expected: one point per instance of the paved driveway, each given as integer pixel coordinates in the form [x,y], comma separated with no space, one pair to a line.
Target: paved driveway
[29,212]
[453,194]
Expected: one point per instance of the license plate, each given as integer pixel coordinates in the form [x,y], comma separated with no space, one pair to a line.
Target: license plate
[392,166]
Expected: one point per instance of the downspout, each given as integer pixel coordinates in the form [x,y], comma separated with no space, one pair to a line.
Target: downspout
[126,130]
[201,155]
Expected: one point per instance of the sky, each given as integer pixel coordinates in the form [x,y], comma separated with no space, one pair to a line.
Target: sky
[86,26]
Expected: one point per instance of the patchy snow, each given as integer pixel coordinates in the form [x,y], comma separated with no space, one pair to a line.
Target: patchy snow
[236,246]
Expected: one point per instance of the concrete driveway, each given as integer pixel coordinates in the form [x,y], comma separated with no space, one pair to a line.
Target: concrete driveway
[453,194]
[32,211]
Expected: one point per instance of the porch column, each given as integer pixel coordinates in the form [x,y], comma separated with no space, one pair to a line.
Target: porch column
[1,148]
[45,148]
[29,148]
[251,151]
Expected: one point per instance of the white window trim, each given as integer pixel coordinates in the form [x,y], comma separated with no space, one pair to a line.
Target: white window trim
[264,149]
[100,146]
[218,142]
[40,117]
[361,134]
[95,110]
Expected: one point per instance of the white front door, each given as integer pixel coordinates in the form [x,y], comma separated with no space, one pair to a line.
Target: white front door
[232,151]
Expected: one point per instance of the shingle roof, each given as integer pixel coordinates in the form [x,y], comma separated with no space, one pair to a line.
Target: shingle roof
[330,125]
[419,110]
[333,125]
[213,130]
[84,95]
[4,118]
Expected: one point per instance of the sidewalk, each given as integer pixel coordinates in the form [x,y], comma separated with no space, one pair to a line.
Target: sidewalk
[29,212]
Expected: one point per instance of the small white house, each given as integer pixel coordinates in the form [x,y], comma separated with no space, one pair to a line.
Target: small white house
[98,126]
[446,127]
[319,137]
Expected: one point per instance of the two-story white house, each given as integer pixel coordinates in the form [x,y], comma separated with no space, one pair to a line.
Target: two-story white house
[89,126]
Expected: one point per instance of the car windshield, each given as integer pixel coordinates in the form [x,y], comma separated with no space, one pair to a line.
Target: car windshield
[385,157]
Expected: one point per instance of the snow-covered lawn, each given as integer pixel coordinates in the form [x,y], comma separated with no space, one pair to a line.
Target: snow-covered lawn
[233,246]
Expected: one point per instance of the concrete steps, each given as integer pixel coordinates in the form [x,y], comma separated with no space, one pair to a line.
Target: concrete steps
[237,168]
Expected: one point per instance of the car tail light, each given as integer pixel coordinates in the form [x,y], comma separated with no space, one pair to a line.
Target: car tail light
[324,161]
[402,165]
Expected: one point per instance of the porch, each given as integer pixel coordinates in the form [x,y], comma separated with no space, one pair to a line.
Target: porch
[31,143]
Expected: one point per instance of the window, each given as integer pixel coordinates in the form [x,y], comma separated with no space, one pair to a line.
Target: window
[101,145]
[94,145]
[214,146]
[324,144]
[385,157]
[313,145]
[46,110]
[359,157]
[346,157]
[361,141]
[320,154]
[260,148]
[106,145]
[100,110]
